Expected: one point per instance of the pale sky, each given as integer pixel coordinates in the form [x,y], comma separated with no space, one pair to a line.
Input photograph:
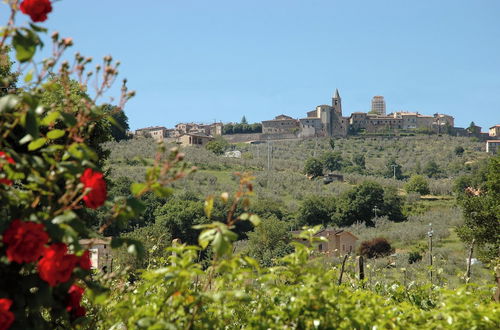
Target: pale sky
[201,61]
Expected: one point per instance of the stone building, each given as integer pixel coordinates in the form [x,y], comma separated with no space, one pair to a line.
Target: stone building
[193,139]
[372,123]
[492,146]
[100,253]
[325,120]
[214,129]
[159,133]
[378,105]
[339,242]
[494,131]
[280,124]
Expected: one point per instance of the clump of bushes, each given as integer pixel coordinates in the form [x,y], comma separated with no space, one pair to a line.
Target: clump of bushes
[417,184]
[414,257]
[375,248]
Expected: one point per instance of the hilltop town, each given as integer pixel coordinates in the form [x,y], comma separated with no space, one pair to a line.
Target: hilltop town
[326,121]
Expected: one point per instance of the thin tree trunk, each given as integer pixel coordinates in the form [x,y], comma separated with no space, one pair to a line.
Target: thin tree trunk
[469,261]
[361,267]
[342,269]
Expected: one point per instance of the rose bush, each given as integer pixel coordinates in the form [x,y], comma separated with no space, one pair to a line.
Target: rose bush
[50,174]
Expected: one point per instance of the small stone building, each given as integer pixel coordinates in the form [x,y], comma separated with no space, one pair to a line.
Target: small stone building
[492,146]
[194,140]
[280,124]
[100,253]
[494,131]
[339,242]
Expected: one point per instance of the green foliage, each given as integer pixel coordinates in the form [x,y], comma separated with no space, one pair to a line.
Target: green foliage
[459,150]
[269,241]
[316,210]
[242,128]
[218,146]
[332,161]
[331,141]
[393,170]
[299,293]
[359,160]
[361,203]
[432,170]
[313,167]
[178,216]
[8,79]
[375,248]
[119,123]
[417,184]
[244,120]
[481,210]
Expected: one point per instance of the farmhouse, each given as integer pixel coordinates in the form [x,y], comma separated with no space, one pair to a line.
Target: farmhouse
[339,242]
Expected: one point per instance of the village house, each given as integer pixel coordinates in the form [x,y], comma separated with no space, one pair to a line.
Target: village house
[492,146]
[158,133]
[339,242]
[494,131]
[193,139]
[280,124]
[100,253]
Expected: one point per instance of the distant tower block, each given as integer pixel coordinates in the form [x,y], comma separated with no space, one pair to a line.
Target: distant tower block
[378,105]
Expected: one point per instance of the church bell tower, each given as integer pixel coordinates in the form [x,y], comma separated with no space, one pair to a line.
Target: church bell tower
[337,103]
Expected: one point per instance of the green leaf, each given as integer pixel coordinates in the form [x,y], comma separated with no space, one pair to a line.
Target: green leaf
[136,205]
[55,134]
[64,218]
[31,124]
[68,119]
[29,76]
[38,28]
[25,45]
[37,144]
[136,188]
[255,219]
[50,118]
[206,237]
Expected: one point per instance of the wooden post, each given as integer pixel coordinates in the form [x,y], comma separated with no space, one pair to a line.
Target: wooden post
[469,261]
[342,269]
[496,296]
[361,268]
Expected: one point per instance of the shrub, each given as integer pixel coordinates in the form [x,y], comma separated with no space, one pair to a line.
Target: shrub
[414,257]
[313,167]
[376,248]
[417,184]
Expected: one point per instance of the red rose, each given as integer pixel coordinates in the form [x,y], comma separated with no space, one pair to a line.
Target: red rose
[6,316]
[75,294]
[84,261]
[97,194]
[25,241]
[36,9]
[56,266]
[9,159]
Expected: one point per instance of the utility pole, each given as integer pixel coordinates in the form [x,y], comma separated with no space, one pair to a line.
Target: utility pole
[375,210]
[430,233]
[394,166]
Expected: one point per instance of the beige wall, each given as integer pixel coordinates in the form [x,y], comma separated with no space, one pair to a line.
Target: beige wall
[193,140]
[494,131]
